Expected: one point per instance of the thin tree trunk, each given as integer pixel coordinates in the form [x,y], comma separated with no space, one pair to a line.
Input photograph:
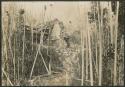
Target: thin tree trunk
[82,46]
[90,55]
[14,36]
[32,37]
[18,67]
[50,71]
[100,44]
[6,60]
[115,56]
[8,43]
[23,51]
[86,59]
[97,57]
[14,62]
[3,45]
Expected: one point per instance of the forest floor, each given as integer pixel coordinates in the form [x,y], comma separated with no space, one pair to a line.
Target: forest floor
[67,73]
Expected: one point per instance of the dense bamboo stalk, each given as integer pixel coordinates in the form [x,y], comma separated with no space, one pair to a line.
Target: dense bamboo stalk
[31,32]
[23,57]
[115,56]
[82,50]
[87,58]
[50,70]
[90,54]
[8,43]
[97,57]
[3,41]
[82,47]
[32,37]
[18,69]
[6,60]
[100,44]
[90,59]
[4,49]
[14,62]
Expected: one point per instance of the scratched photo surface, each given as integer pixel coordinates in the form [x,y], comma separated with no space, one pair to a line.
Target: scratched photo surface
[62,43]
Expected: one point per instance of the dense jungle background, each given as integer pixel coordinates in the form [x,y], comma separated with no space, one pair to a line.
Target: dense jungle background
[63,43]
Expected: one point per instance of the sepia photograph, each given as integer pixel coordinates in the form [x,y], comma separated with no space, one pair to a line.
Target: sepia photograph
[62,43]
